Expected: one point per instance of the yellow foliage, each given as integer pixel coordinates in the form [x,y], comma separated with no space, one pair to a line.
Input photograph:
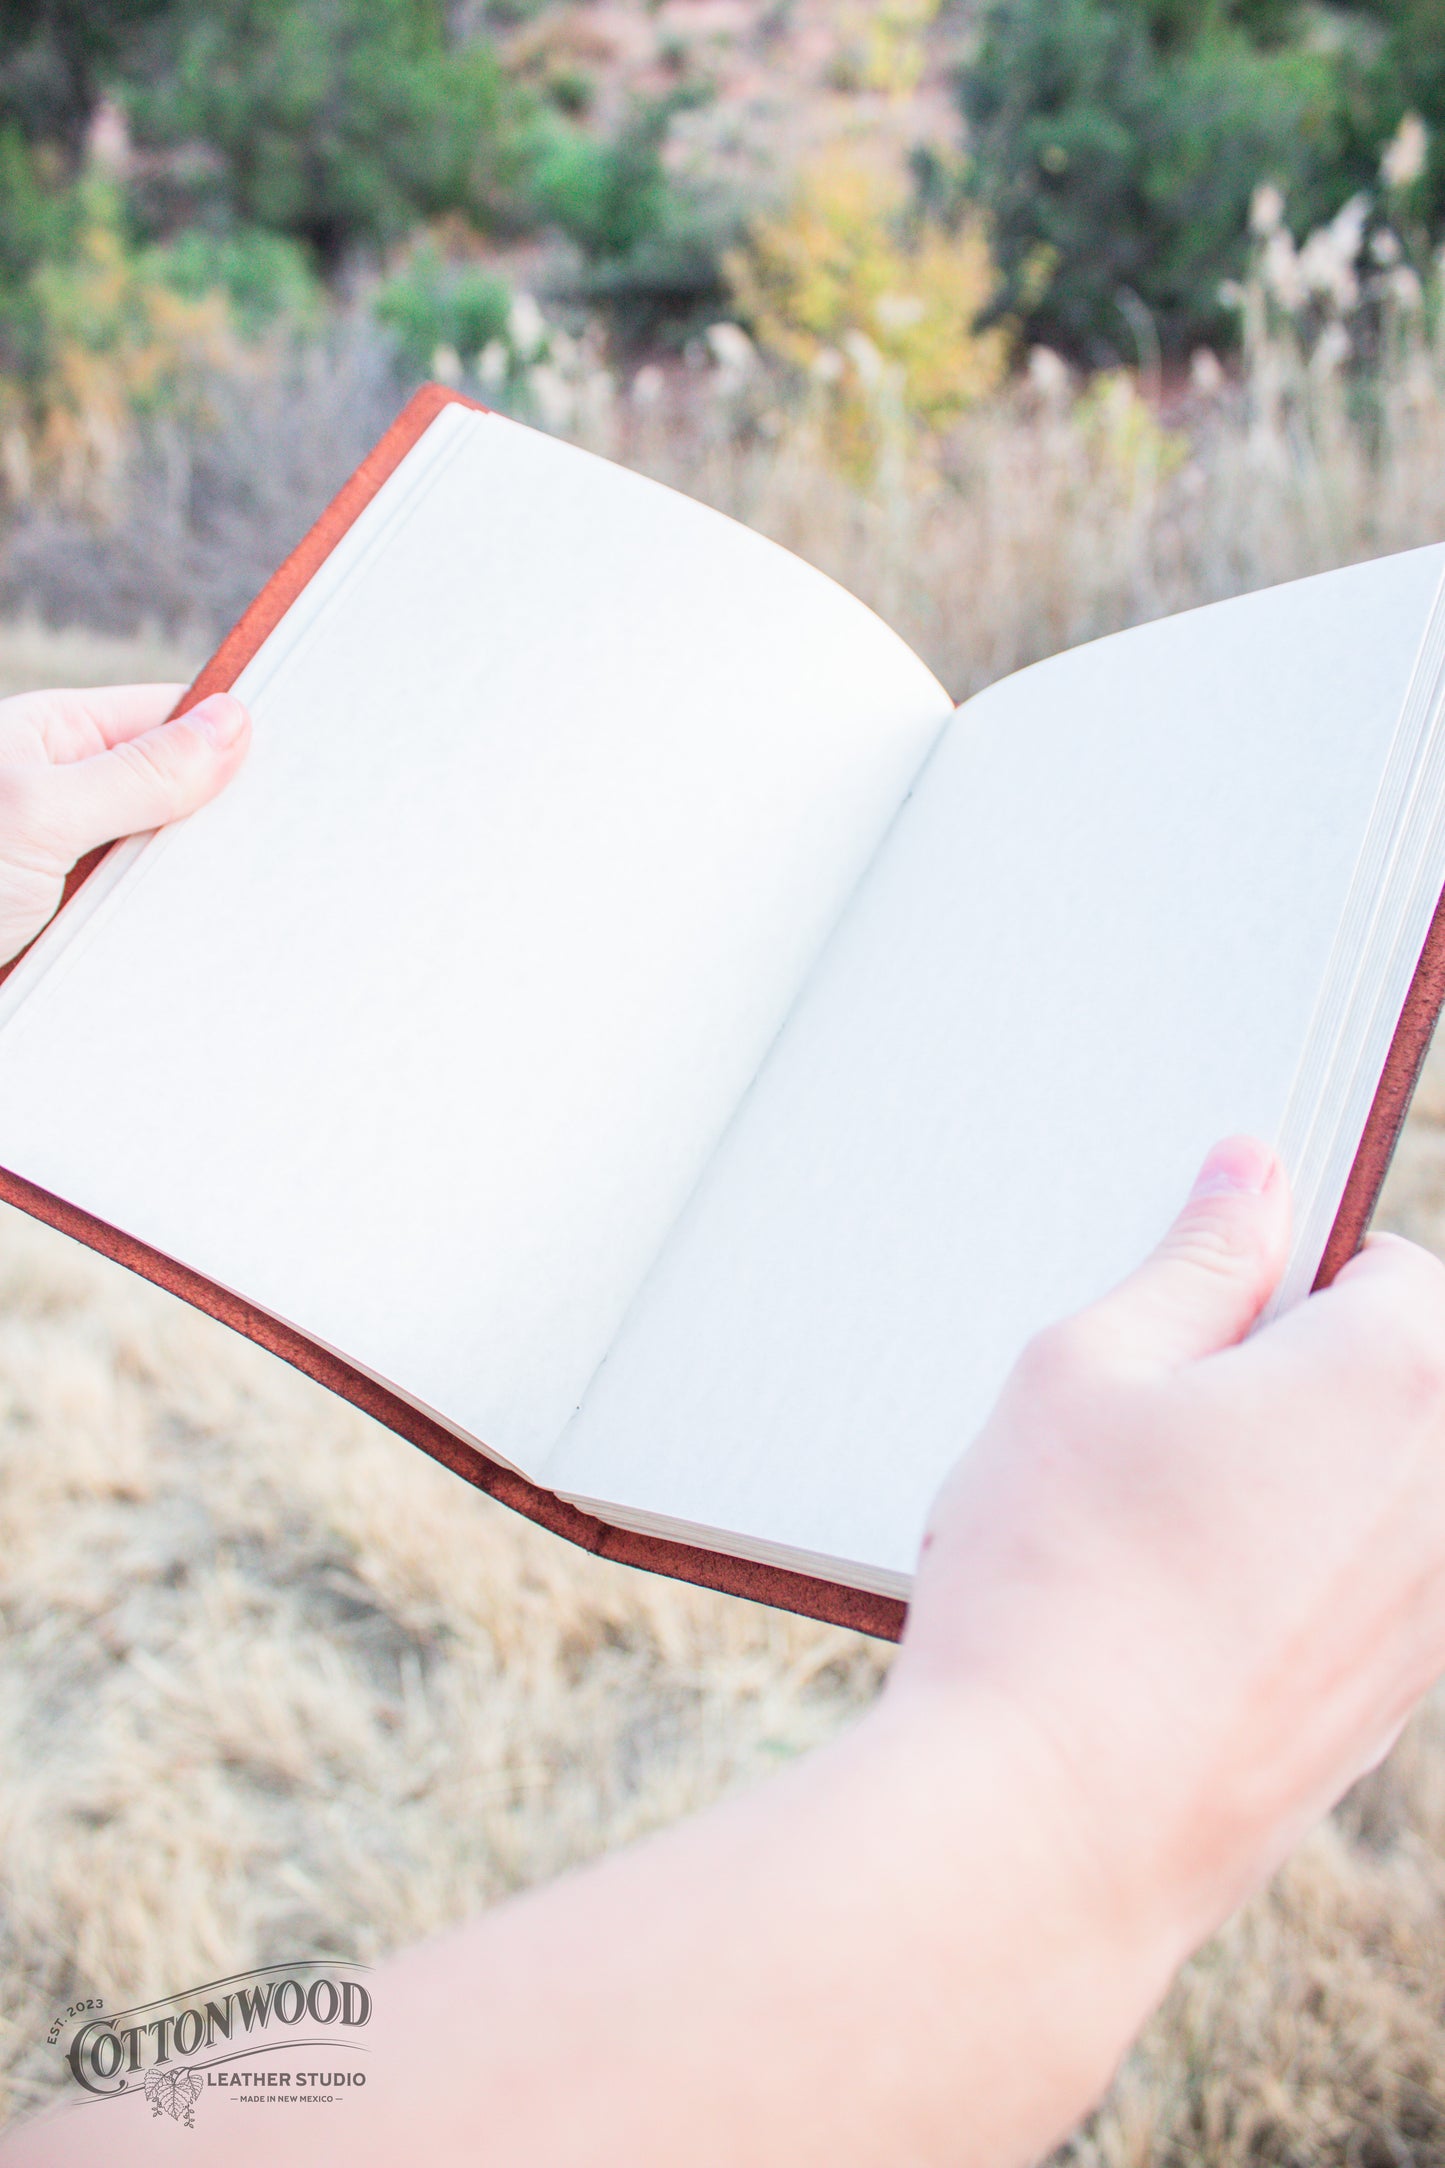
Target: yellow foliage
[122,344]
[834,279]
[883,48]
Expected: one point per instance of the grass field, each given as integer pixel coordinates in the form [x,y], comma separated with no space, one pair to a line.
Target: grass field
[271,1682]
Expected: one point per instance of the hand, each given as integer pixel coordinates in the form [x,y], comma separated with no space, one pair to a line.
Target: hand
[81,768]
[1207,1578]
[1177,1595]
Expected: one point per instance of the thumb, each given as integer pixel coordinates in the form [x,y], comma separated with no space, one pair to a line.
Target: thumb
[1215,1269]
[147,781]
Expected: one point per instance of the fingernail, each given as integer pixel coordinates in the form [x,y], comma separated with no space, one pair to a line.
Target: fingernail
[221,719]
[1239,1164]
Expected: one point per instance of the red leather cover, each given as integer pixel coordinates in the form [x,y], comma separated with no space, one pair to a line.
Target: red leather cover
[1391,1103]
[828,1600]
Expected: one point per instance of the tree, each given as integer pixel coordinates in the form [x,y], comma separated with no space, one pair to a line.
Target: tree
[337,122]
[652,245]
[56,57]
[1115,147]
[1398,67]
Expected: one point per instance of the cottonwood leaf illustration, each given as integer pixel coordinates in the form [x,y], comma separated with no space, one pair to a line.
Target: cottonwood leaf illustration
[173,2093]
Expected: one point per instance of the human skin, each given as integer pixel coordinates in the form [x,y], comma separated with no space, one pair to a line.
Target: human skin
[1180,1592]
[81,768]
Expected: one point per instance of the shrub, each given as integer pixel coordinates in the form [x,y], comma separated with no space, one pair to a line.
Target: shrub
[206,496]
[101,337]
[652,245]
[117,343]
[264,277]
[841,265]
[38,223]
[1116,144]
[55,61]
[432,307]
[607,196]
[337,123]
[1394,69]
[883,48]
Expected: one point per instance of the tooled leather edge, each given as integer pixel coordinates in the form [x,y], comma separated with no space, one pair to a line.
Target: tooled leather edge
[1391,1102]
[828,1601]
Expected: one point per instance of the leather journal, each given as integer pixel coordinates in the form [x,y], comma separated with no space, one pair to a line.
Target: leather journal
[693,1134]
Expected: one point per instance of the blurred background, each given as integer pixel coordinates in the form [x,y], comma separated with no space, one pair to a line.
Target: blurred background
[1027,320]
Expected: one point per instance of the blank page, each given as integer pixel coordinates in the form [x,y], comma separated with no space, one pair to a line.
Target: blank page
[419,1036]
[1092,944]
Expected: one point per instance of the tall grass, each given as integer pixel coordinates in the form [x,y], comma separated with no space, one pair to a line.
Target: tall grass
[199,503]
[1054,512]
[1061,511]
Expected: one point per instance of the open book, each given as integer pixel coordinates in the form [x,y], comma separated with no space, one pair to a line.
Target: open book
[626,1029]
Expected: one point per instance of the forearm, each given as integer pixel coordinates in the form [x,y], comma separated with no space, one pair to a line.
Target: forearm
[895,1950]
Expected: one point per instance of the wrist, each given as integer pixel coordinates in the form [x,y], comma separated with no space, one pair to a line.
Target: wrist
[1025,1898]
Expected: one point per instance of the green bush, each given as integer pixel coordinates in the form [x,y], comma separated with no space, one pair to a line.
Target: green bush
[607,196]
[1394,67]
[652,245]
[39,223]
[432,304]
[338,123]
[282,137]
[264,276]
[1116,144]
[56,60]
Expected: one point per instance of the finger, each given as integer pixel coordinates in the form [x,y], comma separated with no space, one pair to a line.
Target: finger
[144,781]
[1387,1256]
[1391,1287]
[1383,1748]
[1216,1267]
[73,724]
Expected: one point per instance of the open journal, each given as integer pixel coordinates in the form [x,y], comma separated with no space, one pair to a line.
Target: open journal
[625,1028]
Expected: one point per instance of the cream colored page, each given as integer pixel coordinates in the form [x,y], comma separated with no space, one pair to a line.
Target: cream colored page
[1091,944]
[420,1035]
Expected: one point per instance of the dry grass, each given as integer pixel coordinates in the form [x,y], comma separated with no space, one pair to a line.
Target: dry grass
[271,1682]
[34,657]
[1050,514]
[1047,517]
[195,518]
